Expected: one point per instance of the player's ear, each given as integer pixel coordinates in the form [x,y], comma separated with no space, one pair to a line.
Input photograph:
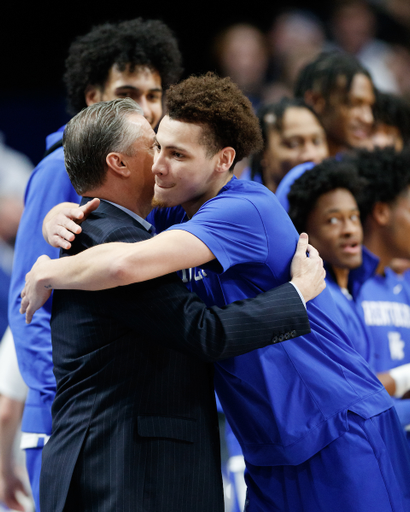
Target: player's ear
[92,95]
[226,156]
[381,213]
[117,164]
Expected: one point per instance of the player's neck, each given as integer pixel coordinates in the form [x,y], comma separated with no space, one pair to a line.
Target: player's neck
[380,249]
[341,276]
[192,206]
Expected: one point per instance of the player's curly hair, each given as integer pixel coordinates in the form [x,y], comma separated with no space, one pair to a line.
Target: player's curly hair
[387,173]
[137,42]
[324,177]
[221,108]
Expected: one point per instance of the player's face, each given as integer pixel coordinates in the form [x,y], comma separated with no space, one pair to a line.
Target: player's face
[302,139]
[335,230]
[142,85]
[140,159]
[350,123]
[397,235]
[184,170]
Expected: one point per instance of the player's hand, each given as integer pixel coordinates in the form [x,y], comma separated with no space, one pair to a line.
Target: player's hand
[10,486]
[60,229]
[35,293]
[307,269]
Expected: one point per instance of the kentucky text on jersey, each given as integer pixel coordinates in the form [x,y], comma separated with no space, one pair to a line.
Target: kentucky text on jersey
[386,313]
[189,274]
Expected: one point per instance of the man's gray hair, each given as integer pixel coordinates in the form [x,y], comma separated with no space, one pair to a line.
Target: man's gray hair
[92,134]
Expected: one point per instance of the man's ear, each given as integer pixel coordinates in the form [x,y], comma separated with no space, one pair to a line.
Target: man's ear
[117,164]
[93,95]
[315,100]
[226,156]
[381,213]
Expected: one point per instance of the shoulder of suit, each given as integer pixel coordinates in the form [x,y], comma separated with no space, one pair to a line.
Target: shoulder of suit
[110,224]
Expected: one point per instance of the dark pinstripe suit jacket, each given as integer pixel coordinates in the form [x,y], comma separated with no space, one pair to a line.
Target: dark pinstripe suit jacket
[134,418]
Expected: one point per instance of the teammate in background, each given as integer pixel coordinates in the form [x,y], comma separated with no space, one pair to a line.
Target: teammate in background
[385,298]
[139,59]
[297,409]
[323,203]
[392,129]
[392,121]
[341,92]
[292,135]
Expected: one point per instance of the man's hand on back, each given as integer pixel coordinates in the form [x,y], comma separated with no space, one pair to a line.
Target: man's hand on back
[62,223]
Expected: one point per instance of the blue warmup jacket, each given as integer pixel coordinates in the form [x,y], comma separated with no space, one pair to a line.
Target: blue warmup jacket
[48,185]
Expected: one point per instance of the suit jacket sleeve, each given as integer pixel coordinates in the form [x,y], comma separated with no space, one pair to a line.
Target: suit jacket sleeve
[164,311]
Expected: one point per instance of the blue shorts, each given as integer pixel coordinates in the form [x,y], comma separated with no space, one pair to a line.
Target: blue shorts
[367,468]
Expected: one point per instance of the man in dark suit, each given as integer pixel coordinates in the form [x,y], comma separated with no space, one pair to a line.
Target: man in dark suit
[134,418]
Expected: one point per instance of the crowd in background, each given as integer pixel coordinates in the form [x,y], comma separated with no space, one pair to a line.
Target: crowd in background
[348,140]
[265,65]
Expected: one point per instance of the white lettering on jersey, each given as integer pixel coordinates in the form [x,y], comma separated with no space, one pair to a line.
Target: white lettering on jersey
[397,289]
[386,313]
[396,345]
[188,274]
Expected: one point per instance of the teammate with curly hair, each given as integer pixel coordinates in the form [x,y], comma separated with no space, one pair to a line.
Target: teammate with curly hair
[137,58]
[317,428]
[324,203]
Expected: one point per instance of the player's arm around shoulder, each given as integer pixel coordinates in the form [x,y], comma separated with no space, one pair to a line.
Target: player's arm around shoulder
[167,252]
[112,264]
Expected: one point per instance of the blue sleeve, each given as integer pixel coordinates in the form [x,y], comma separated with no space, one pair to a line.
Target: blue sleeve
[216,225]
[403,410]
[288,180]
[48,185]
